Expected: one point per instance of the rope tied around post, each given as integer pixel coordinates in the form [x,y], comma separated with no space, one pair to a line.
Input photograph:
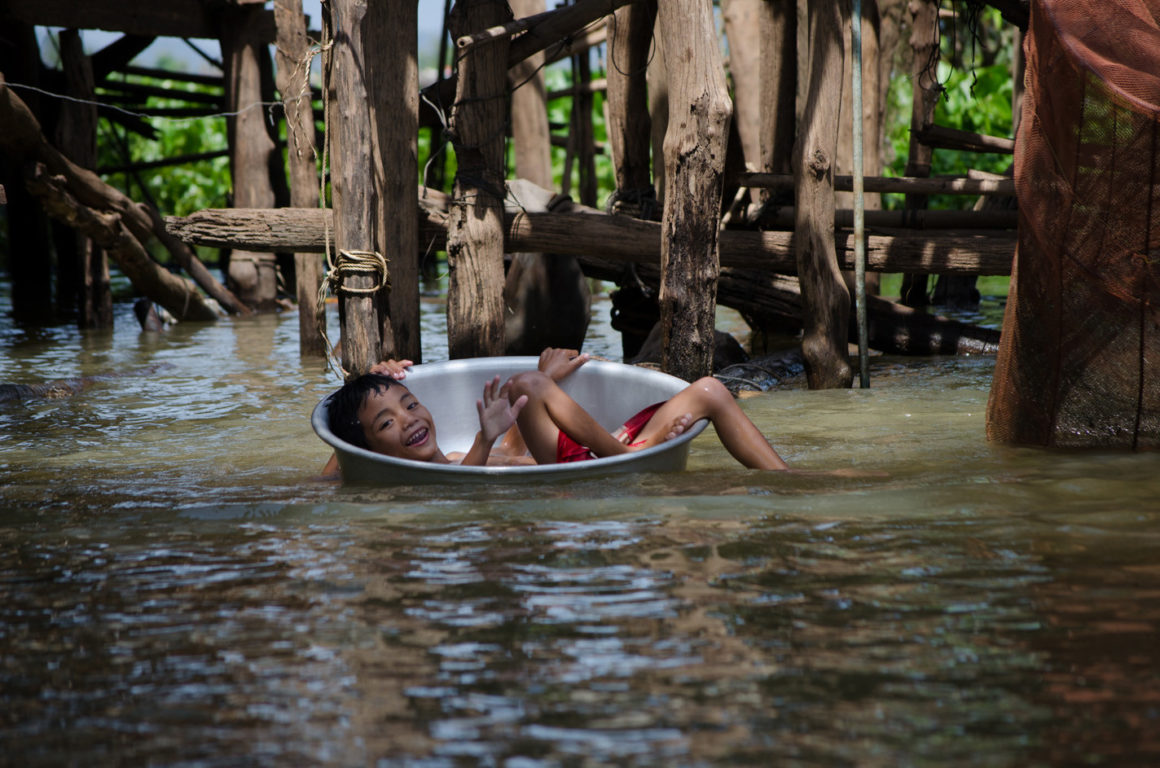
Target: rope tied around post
[348,263]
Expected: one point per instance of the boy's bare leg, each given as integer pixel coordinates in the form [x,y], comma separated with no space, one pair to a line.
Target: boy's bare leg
[549,410]
[708,398]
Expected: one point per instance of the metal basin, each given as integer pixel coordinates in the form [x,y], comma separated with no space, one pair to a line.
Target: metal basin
[611,392]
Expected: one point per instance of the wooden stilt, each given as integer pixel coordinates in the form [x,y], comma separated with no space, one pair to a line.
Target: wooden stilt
[351,173]
[694,152]
[293,72]
[826,300]
[29,246]
[77,137]
[393,86]
[475,322]
[628,123]
[925,89]
[252,275]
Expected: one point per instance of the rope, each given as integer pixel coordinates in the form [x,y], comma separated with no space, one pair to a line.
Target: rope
[142,115]
[349,263]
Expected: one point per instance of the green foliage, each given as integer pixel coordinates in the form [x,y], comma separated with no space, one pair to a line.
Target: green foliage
[976,97]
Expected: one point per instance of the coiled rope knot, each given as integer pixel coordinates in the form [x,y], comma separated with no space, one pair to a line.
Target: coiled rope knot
[349,263]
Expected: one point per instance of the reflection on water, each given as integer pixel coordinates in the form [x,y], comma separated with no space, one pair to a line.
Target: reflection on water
[177,590]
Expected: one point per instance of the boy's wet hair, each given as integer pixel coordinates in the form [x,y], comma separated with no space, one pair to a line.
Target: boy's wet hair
[346,403]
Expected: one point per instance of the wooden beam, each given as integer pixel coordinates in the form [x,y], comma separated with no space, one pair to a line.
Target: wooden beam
[171,18]
[581,231]
[934,185]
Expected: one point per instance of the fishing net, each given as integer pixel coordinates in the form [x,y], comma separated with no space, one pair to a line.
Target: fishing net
[1080,352]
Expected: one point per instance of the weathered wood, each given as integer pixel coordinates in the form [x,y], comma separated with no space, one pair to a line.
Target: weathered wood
[694,153]
[393,86]
[545,297]
[107,229]
[628,125]
[582,131]
[924,42]
[475,322]
[253,276]
[171,18]
[77,137]
[826,298]
[562,30]
[942,137]
[531,136]
[743,29]
[935,185]
[294,85]
[29,245]
[784,218]
[583,231]
[352,185]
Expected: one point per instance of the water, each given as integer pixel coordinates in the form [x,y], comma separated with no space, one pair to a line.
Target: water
[176,589]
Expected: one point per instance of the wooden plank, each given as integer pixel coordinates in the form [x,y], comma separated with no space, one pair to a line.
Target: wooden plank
[171,18]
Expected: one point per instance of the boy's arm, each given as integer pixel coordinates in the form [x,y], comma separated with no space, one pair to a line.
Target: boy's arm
[496,416]
[558,364]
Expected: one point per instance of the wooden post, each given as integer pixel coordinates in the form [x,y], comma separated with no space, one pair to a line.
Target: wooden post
[628,119]
[293,74]
[826,300]
[531,136]
[475,322]
[77,137]
[694,152]
[351,172]
[582,133]
[924,90]
[393,87]
[29,246]
[252,276]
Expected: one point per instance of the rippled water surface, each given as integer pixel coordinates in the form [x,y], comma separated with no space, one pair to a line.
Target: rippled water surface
[176,589]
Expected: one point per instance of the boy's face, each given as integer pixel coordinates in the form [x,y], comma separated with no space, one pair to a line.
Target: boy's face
[396,424]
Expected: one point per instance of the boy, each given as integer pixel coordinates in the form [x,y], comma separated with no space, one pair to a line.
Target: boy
[375,411]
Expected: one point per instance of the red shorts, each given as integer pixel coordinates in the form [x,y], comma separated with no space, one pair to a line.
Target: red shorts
[568,449]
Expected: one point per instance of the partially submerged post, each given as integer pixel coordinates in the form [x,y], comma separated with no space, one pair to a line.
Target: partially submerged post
[475,322]
[694,152]
[293,70]
[826,300]
[362,271]
[394,107]
[253,152]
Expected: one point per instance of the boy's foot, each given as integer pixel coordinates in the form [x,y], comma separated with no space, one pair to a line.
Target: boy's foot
[680,424]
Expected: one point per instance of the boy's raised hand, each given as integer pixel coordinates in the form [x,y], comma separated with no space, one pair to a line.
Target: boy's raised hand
[396,369]
[557,364]
[496,414]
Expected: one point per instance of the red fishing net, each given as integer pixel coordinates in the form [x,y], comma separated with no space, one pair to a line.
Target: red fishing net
[1080,353]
